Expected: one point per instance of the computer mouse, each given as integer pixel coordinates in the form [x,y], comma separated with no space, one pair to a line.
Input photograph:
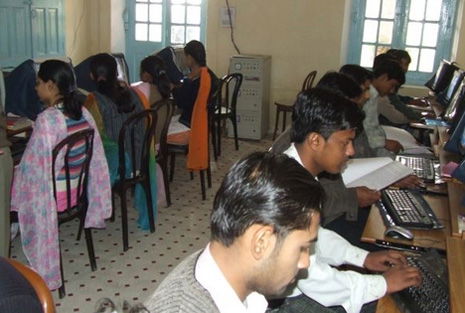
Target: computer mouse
[398,232]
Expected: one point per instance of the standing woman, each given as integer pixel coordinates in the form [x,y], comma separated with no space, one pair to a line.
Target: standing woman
[111,105]
[32,194]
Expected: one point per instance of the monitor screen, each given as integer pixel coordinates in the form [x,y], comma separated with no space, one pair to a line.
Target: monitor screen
[456,105]
[456,142]
[443,76]
[445,97]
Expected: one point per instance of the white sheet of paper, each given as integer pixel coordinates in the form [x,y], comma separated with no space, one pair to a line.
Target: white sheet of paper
[374,173]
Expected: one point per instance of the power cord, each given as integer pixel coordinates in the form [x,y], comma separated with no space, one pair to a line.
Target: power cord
[231,27]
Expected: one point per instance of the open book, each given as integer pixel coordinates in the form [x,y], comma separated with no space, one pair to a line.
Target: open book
[374,173]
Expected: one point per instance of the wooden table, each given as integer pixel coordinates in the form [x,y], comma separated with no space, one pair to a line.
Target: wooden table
[374,228]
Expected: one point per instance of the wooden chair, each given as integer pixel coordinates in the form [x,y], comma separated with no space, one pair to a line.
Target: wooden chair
[164,109]
[308,82]
[80,176]
[225,108]
[127,179]
[38,284]
[287,107]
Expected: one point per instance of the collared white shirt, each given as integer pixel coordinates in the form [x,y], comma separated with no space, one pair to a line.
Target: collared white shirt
[330,286]
[209,275]
[375,134]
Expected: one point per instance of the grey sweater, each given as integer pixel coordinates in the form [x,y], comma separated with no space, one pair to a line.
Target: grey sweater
[180,292]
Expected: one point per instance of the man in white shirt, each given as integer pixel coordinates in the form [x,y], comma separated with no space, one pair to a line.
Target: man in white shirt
[323,128]
[262,226]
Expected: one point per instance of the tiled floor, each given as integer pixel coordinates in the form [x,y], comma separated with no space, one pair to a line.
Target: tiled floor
[181,229]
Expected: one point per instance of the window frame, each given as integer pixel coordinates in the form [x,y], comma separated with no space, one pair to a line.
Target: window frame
[166,23]
[445,34]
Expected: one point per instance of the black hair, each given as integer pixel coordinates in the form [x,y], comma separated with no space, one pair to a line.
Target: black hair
[357,73]
[324,112]
[340,83]
[155,67]
[383,57]
[104,71]
[267,189]
[399,54]
[390,67]
[196,50]
[62,75]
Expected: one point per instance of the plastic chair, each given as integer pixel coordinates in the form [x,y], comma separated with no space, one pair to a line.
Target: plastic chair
[140,175]
[225,108]
[284,107]
[38,284]
[164,109]
[78,209]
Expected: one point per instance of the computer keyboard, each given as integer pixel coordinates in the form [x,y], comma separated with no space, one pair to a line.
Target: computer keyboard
[432,296]
[407,208]
[422,167]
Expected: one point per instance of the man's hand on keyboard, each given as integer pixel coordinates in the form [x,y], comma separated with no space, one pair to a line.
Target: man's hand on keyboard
[411,181]
[401,277]
[382,261]
[366,196]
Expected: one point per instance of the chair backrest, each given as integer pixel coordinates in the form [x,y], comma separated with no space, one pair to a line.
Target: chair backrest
[282,142]
[38,284]
[165,110]
[76,172]
[128,149]
[230,84]
[308,82]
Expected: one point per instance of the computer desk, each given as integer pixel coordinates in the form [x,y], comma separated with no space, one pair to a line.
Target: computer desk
[450,239]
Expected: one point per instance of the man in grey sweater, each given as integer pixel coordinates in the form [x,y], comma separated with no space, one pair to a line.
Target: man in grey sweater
[265,217]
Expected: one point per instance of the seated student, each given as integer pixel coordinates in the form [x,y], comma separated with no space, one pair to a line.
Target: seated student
[111,105]
[185,95]
[32,195]
[265,217]
[152,71]
[323,128]
[387,76]
[389,113]
[341,209]
[400,102]
[6,174]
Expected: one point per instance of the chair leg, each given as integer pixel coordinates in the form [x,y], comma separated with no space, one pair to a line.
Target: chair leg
[81,226]
[284,121]
[202,184]
[90,248]
[112,217]
[209,177]
[166,182]
[276,123]
[148,195]
[124,219]
[213,132]
[191,175]
[236,137]
[61,290]
[218,135]
[172,161]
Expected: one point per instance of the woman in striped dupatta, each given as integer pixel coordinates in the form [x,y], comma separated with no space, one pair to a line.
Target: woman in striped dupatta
[32,192]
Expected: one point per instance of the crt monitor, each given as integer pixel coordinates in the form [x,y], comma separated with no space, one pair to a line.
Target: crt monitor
[456,142]
[445,97]
[443,76]
[456,106]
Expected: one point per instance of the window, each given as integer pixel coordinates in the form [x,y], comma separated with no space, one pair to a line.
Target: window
[171,22]
[422,27]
